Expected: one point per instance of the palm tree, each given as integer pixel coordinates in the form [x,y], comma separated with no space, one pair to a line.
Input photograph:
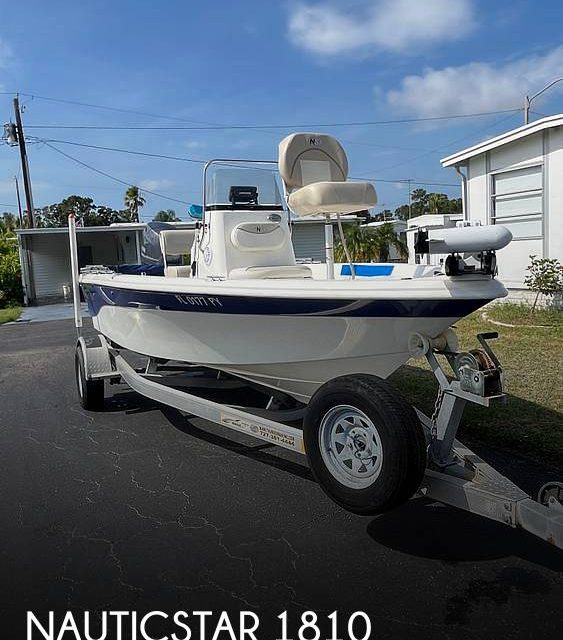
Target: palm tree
[360,243]
[437,202]
[168,215]
[369,244]
[384,238]
[133,202]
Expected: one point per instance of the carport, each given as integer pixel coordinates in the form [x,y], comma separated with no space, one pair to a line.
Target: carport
[45,257]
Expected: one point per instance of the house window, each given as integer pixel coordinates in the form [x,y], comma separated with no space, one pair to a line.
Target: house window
[517,201]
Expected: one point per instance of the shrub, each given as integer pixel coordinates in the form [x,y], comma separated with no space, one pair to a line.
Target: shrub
[545,277]
[10,278]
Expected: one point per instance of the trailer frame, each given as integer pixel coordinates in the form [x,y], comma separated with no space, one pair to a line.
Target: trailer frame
[455,475]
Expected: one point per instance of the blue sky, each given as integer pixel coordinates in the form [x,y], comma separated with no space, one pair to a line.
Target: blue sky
[256,62]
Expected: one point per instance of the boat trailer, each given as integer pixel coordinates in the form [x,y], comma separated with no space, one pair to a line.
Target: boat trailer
[454,474]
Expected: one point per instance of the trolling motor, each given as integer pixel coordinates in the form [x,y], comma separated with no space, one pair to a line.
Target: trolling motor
[471,249]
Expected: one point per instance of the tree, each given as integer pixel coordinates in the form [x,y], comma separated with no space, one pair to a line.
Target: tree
[87,213]
[360,244]
[369,244]
[386,214]
[133,202]
[423,202]
[11,291]
[56,215]
[384,237]
[546,276]
[8,222]
[403,212]
[437,202]
[105,216]
[168,215]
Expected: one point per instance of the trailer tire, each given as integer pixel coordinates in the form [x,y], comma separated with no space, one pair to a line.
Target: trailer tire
[90,392]
[365,444]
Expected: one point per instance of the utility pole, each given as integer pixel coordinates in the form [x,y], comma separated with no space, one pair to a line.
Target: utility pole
[528,99]
[19,201]
[410,199]
[25,164]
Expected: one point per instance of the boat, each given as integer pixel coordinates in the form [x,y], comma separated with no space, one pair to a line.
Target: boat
[244,305]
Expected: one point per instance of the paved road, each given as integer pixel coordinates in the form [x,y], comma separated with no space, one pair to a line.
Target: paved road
[140,508]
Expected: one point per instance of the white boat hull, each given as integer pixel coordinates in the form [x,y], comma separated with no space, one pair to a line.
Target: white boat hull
[292,335]
[264,349]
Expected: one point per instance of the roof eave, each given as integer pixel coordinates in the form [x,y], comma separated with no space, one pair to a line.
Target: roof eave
[507,137]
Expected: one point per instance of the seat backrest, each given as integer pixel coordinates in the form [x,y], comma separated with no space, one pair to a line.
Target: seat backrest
[176,242]
[305,158]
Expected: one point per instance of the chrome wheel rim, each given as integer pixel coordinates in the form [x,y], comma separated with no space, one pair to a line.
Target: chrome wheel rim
[350,446]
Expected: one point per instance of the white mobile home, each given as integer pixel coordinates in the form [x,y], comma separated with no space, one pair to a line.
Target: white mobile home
[516,179]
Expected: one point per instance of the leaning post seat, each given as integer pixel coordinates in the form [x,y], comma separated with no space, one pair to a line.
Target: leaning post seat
[314,169]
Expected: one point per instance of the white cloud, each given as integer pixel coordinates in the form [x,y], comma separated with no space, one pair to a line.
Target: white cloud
[476,86]
[392,25]
[156,184]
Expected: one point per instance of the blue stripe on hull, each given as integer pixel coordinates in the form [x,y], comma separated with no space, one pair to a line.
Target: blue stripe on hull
[98,296]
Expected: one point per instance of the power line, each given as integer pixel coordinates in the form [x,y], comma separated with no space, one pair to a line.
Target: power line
[108,175]
[215,124]
[129,151]
[202,162]
[108,108]
[448,144]
[407,180]
[224,127]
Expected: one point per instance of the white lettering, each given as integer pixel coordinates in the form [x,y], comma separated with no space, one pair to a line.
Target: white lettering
[69,625]
[144,621]
[224,624]
[32,620]
[202,615]
[119,615]
[246,631]
[87,635]
[178,623]
[367,622]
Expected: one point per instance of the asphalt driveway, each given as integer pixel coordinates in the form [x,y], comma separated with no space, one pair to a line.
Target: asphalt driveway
[141,508]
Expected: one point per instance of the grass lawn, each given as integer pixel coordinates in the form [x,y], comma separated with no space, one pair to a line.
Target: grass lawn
[520,314]
[531,422]
[9,314]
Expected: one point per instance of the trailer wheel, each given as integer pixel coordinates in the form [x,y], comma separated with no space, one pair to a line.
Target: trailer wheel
[364,443]
[90,392]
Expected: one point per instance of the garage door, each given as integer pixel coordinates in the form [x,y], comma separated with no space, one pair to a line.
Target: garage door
[309,241]
[50,265]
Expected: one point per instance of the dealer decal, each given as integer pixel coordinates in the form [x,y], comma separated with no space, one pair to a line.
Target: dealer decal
[260,431]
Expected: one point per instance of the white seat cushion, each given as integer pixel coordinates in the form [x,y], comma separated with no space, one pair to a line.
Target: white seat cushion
[270,273]
[332,197]
[178,272]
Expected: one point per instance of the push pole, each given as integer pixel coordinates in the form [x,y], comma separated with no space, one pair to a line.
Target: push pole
[75,272]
